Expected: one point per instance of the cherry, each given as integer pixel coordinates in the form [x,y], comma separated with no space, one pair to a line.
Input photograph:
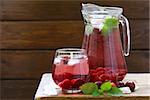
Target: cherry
[92,71]
[121,73]
[94,77]
[67,75]
[65,84]
[131,85]
[100,69]
[105,77]
[59,78]
[113,77]
[99,83]
[93,74]
[100,72]
[108,69]
[120,78]
[76,83]
[120,84]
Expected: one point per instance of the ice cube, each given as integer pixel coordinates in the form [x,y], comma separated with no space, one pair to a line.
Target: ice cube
[125,90]
[73,61]
[57,60]
[97,23]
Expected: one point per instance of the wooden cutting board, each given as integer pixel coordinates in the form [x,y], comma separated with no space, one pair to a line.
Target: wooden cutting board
[142,93]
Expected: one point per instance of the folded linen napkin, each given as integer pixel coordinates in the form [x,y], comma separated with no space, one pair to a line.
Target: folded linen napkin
[47,87]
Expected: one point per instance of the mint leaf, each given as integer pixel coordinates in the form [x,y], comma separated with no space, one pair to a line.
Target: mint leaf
[100,92]
[109,24]
[96,93]
[106,86]
[89,88]
[115,92]
[105,30]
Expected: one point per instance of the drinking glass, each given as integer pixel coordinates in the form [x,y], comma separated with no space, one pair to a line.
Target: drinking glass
[70,69]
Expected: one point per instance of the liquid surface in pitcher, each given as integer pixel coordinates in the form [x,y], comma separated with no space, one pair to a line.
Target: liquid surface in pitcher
[106,60]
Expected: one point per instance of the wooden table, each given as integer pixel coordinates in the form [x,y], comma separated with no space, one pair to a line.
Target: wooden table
[142,93]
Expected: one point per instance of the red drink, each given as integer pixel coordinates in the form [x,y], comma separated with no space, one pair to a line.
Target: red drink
[105,54]
[103,44]
[70,69]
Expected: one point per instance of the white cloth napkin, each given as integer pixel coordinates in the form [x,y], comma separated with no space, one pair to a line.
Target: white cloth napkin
[47,87]
[51,89]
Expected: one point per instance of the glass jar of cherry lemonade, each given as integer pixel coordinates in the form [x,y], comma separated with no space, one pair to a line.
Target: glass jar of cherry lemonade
[70,69]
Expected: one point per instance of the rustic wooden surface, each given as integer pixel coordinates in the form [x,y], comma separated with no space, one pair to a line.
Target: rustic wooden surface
[142,93]
[96,98]
[31,31]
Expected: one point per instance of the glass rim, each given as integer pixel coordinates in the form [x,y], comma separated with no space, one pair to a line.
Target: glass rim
[70,50]
[93,10]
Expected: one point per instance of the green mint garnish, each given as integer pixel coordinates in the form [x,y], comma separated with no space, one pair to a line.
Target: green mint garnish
[96,93]
[106,86]
[89,88]
[115,92]
[109,23]
[100,92]
[105,89]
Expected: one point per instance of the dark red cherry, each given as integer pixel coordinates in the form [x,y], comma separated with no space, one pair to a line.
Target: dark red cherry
[131,85]
[105,77]
[65,84]
[120,84]
[76,83]
[67,75]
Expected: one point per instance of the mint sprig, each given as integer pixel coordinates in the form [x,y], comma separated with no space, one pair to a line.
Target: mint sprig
[106,86]
[115,92]
[89,88]
[105,89]
[96,93]
[109,24]
[101,92]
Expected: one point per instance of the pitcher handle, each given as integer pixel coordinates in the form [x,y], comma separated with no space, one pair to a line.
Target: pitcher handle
[126,34]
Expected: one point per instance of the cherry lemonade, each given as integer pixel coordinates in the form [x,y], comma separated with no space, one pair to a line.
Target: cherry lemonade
[70,69]
[102,55]
[106,60]
[103,44]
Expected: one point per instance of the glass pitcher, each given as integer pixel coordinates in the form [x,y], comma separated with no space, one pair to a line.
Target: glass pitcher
[102,42]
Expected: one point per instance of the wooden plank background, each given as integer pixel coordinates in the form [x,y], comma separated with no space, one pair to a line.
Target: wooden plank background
[31,31]
[43,35]
[65,9]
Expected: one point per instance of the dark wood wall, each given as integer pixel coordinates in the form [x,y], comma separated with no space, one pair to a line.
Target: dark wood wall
[31,31]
